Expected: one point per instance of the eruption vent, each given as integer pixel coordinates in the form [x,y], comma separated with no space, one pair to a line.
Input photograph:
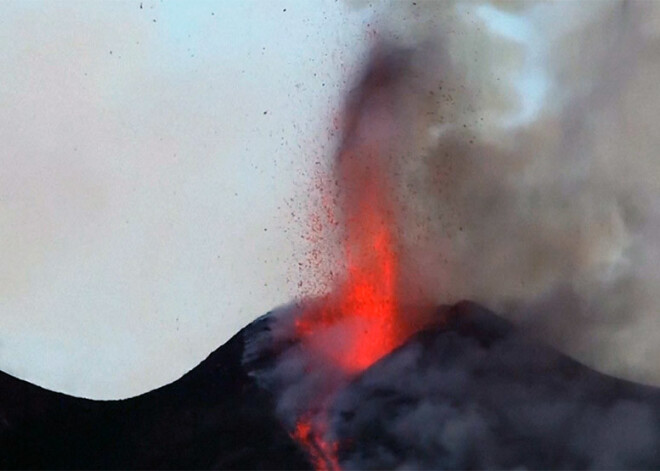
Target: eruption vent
[361,319]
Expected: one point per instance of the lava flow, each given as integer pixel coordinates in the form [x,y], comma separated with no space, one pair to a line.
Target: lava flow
[360,320]
[321,452]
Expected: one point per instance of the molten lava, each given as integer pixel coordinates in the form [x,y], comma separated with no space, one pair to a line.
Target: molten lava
[363,309]
[322,453]
[360,320]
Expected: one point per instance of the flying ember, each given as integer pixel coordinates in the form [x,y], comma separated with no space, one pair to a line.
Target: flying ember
[360,320]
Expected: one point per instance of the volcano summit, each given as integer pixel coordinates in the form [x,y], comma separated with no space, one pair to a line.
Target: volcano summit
[471,391]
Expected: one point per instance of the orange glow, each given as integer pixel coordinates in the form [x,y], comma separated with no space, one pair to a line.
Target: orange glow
[321,452]
[363,308]
[360,320]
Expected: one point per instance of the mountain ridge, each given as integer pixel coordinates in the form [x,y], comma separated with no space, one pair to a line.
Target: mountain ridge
[472,378]
[214,416]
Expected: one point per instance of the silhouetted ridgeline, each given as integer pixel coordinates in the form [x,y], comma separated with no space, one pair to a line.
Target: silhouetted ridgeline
[471,393]
[212,417]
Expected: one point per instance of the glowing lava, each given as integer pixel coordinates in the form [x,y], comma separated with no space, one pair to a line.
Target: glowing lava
[360,320]
[321,452]
[357,324]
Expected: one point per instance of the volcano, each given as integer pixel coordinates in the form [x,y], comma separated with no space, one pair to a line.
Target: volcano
[363,372]
[471,391]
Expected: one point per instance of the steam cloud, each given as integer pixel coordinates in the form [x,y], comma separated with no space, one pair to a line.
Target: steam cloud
[532,181]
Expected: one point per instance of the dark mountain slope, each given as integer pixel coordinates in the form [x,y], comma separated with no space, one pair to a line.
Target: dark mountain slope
[471,393]
[213,417]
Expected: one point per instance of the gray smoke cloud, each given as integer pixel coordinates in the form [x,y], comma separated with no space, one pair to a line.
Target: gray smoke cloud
[474,392]
[532,182]
[527,183]
[480,395]
[303,382]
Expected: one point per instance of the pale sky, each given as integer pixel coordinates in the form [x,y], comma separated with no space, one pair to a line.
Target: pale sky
[156,159]
[150,154]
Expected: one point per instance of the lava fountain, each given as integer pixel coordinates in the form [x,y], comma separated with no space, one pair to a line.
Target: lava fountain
[362,318]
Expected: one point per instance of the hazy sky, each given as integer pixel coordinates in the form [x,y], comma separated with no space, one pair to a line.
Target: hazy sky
[150,152]
[157,157]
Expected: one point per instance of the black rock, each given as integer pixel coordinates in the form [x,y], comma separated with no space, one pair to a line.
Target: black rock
[214,417]
[470,392]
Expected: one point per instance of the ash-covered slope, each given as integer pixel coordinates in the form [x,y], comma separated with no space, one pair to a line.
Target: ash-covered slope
[213,417]
[474,393]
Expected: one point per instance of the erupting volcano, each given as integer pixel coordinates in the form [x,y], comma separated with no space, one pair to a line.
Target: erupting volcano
[360,320]
[491,200]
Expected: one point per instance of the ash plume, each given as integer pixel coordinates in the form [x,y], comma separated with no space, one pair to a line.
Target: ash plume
[327,340]
[530,181]
[516,149]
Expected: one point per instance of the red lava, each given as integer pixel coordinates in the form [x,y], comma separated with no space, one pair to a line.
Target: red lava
[360,320]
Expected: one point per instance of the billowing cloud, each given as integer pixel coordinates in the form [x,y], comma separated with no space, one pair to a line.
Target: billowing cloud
[479,395]
[532,184]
